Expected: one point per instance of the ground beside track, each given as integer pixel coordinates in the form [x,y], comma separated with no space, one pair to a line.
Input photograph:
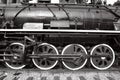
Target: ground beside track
[58,74]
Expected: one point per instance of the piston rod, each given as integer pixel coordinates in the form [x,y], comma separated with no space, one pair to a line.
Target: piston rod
[64,56]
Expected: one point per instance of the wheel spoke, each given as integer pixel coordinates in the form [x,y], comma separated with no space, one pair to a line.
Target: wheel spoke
[51,61]
[106,63]
[75,48]
[49,49]
[44,48]
[105,50]
[101,49]
[97,52]
[39,61]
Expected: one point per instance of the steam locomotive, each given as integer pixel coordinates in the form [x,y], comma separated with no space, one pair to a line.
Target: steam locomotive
[73,33]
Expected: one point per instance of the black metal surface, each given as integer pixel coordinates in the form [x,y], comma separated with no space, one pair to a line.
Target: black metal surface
[91,17]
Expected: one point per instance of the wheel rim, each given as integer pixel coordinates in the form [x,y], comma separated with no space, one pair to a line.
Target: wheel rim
[102,63]
[15,49]
[45,63]
[74,63]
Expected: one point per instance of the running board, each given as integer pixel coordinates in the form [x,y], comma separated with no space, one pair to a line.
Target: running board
[60,30]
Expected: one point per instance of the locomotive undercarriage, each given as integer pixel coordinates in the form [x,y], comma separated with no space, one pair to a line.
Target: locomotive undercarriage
[48,48]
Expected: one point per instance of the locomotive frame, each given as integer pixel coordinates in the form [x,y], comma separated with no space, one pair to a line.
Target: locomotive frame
[58,56]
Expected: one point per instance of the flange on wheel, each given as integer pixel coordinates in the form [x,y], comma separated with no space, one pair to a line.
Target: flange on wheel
[102,63]
[17,50]
[74,63]
[45,63]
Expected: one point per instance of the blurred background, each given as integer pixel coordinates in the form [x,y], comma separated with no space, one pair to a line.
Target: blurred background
[18,1]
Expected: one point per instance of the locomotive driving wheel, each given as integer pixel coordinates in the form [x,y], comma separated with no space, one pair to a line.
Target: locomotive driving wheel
[17,50]
[74,63]
[45,63]
[102,63]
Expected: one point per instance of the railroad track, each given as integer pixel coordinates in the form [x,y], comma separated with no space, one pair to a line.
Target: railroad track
[58,74]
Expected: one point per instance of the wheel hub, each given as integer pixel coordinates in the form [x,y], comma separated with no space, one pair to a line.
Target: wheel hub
[15,57]
[103,58]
